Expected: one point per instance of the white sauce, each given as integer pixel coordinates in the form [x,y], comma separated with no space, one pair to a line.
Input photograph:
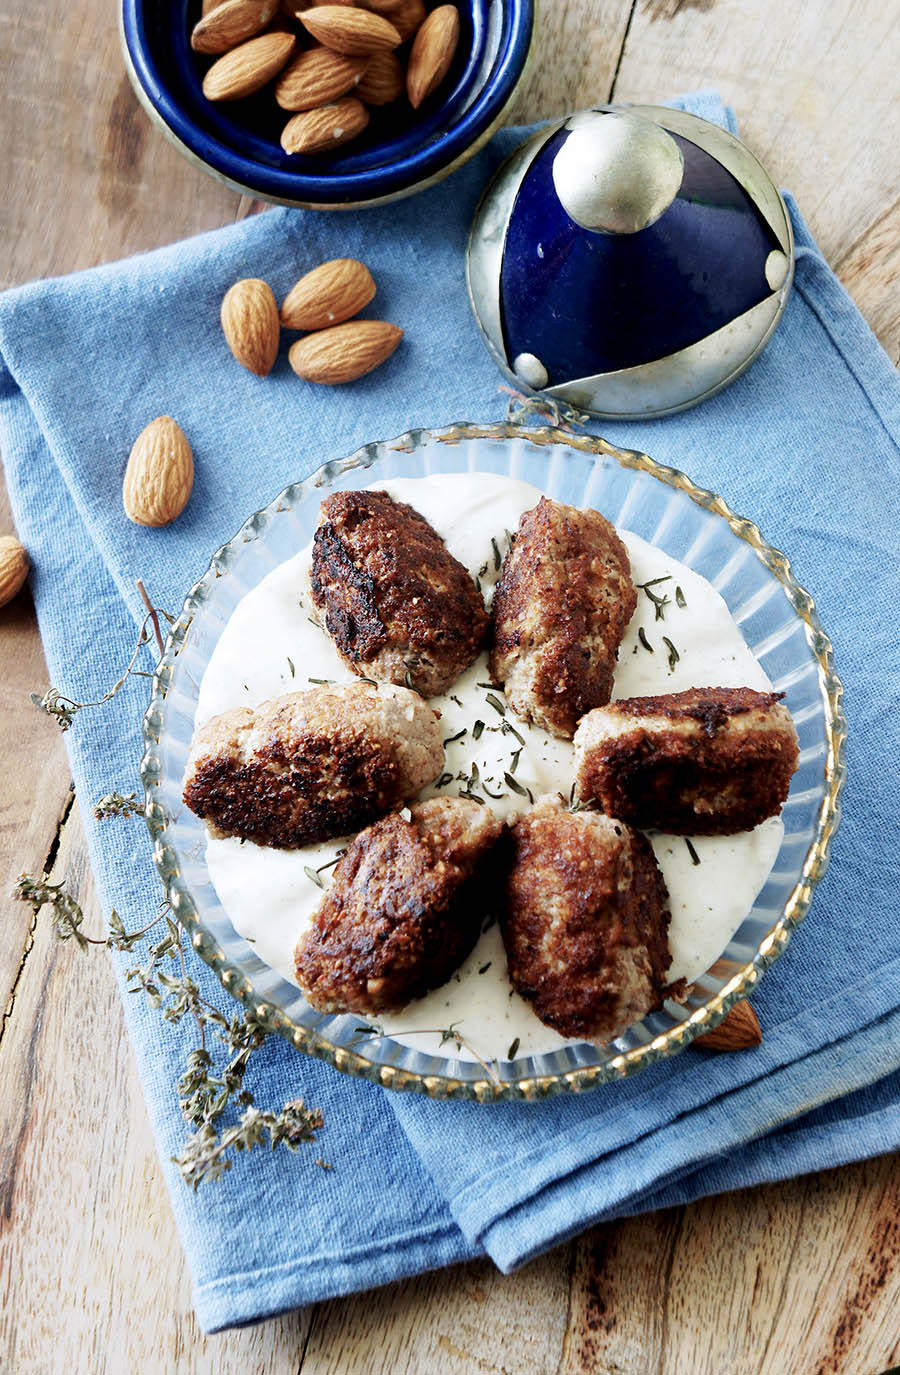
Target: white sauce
[267,893]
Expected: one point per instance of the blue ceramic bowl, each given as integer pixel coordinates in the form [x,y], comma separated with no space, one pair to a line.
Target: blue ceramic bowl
[399,153]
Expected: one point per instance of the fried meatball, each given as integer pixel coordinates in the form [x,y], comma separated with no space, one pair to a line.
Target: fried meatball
[312,765]
[585,922]
[398,605]
[404,910]
[560,609]
[708,761]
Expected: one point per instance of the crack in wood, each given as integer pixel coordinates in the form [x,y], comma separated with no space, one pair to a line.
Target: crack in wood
[46,870]
[612,88]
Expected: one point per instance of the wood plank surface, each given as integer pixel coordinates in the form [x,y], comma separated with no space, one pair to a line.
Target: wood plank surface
[795,1278]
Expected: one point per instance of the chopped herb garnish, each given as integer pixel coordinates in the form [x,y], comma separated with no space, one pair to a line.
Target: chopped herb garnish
[674,656]
[322,682]
[679,598]
[485,967]
[511,730]
[489,686]
[477,584]
[452,739]
[495,796]
[493,700]
[497,555]
[370,681]
[513,1050]
[510,539]
[483,569]
[290,664]
[444,779]
[516,787]
[642,636]
[515,760]
[477,729]
[313,876]
[695,858]
[659,602]
[454,698]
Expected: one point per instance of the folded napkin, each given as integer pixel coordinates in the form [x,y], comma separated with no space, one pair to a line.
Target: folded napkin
[805,443]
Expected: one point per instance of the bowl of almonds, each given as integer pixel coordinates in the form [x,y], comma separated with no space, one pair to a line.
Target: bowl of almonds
[327,105]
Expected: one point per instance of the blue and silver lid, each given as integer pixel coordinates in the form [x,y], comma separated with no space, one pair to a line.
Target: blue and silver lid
[629,261]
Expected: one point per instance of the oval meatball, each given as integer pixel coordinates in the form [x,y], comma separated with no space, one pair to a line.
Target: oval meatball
[586,921]
[404,910]
[397,604]
[312,765]
[560,609]
[708,761]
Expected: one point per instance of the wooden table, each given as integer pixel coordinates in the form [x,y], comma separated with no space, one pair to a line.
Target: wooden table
[797,1278]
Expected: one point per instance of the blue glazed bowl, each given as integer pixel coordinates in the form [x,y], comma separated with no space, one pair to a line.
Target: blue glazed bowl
[399,153]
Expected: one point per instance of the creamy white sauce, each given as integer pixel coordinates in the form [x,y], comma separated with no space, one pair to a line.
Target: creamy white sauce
[271,646]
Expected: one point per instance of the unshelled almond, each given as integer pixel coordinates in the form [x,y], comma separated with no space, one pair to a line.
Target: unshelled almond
[13,567]
[383,81]
[351,31]
[432,53]
[314,131]
[248,67]
[344,352]
[332,293]
[408,18]
[159,475]
[738,1030]
[229,23]
[250,322]
[318,76]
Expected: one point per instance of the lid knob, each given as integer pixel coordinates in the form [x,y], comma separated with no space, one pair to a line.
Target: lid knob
[617,173]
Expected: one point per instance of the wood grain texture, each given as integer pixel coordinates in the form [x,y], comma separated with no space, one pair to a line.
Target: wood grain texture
[801,1277]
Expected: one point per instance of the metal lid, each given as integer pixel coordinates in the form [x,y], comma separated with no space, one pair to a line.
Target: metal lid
[629,261]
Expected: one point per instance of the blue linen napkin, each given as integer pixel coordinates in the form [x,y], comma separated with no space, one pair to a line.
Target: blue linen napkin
[805,443]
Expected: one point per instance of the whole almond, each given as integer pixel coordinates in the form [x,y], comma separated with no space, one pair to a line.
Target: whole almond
[250,322]
[344,352]
[354,32]
[159,475]
[329,126]
[247,68]
[387,7]
[432,52]
[408,18]
[383,81]
[209,5]
[230,22]
[738,1030]
[13,567]
[317,77]
[333,292]
[292,9]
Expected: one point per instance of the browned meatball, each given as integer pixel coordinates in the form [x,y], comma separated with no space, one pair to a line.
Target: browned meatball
[398,605]
[404,910]
[311,765]
[586,921]
[708,761]
[562,604]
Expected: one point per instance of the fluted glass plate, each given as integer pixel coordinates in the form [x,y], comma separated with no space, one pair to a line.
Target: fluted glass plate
[777,619]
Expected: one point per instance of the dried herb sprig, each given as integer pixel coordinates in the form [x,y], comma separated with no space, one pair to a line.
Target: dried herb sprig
[117,804]
[659,602]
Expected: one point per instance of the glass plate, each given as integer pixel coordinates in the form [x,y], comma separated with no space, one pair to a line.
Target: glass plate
[776,617]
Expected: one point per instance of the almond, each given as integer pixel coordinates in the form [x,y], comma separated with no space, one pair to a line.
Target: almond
[354,32]
[317,77]
[292,9]
[330,294]
[209,5]
[739,1030]
[383,80]
[408,18]
[250,322]
[13,567]
[344,352]
[247,68]
[329,126]
[159,475]
[387,7]
[230,22]
[432,52]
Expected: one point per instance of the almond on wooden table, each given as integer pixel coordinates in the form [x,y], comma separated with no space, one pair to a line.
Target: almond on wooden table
[248,67]
[316,77]
[159,475]
[383,81]
[328,295]
[351,31]
[314,131]
[13,567]
[250,323]
[432,53]
[738,1030]
[344,352]
[230,22]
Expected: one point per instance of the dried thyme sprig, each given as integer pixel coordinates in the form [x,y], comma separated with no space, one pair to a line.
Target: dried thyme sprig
[117,804]
[659,602]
